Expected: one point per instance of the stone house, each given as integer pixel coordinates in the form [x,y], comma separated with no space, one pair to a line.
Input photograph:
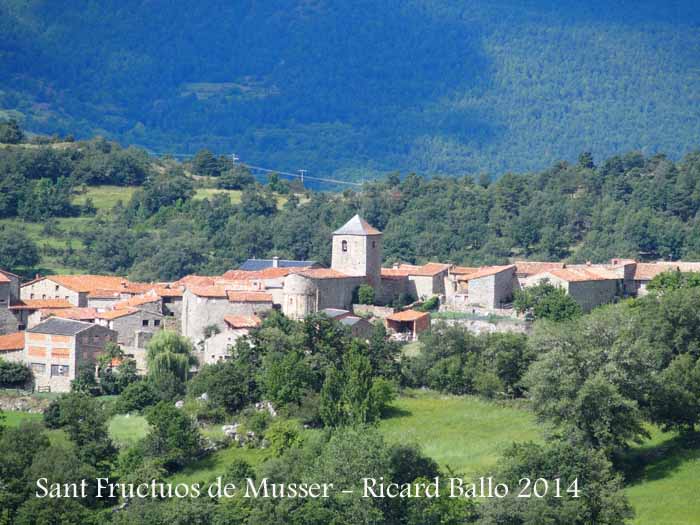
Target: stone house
[12,347]
[99,291]
[421,282]
[488,287]
[589,287]
[9,295]
[359,326]
[57,348]
[28,311]
[206,306]
[216,347]
[128,322]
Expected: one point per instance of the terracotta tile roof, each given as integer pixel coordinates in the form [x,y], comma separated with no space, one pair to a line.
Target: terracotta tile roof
[463,270]
[4,279]
[485,271]
[116,314]
[242,321]
[167,290]
[6,273]
[581,274]
[104,294]
[267,273]
[78,313]
[36,304]
[90,283]
[527,268]
[404,270]
[197,280]
[393,273]
[249,297]
[408,315]
[324,273]
[208,291]
[12,342]
[138,300]
[647,271]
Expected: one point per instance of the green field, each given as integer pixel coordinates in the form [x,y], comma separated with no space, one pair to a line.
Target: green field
[105,197]
[208,193]
[468,435]
[127,429]
[464,433]
[665,488]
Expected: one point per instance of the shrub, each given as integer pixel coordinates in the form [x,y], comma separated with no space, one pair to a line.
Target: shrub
[365,294]
[14,374]
[136,397]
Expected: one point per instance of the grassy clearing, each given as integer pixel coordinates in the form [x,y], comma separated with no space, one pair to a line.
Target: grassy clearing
[105,197]
[663,488]
[208,193]
[127,429]
[465,434]
[15,419]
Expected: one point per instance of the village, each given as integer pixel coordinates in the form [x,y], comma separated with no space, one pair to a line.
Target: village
[56,324]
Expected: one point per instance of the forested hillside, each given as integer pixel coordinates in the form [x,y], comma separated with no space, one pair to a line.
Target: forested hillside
[358,88]
[95,206]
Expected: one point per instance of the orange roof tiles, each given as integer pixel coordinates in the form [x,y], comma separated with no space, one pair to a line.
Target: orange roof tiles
[12,342]
[485,271]
[36,304]
[197,280]
[137,300]
[249,297]
[242,321]
[527,268]
[427,270]
[407,315]
[208,291]
[116,314]
[463,270]
[78,313]
[267,273]
[324,273]
[167,290]
[4,279]
[647,271]
[89,283]
[580,274]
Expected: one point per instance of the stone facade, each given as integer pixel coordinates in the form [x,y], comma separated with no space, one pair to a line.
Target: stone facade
[47,289]
[132,323]
[55,358]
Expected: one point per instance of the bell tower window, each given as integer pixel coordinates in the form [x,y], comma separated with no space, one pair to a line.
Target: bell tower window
[344,246]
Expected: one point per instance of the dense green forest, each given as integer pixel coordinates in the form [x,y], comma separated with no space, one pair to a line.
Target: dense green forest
[175,218]
[360,88]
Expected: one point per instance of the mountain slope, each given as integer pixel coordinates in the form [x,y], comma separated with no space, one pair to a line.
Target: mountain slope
[355,87]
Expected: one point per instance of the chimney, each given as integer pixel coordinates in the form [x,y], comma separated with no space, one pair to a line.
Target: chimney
[588,263]
[395,266]
[275,262]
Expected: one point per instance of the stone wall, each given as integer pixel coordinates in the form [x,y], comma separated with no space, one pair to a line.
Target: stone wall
[129,325]
[590,294]
[48,289]
[369,310]
[8,321]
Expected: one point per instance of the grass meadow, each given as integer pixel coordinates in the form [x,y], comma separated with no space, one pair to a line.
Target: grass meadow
[466,436]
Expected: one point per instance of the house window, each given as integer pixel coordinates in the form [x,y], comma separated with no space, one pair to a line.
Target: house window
[374,244]
[39,369]
[344,246]
[31,296]
[156,322]
[144,322]
[59,370]
[56,287]
[43,296]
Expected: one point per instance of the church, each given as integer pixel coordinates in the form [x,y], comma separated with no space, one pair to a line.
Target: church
[356,259]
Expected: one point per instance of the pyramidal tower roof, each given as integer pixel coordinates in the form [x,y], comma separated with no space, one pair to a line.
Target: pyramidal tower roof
[357,226]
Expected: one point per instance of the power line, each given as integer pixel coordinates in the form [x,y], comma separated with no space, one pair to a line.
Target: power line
[235,158]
